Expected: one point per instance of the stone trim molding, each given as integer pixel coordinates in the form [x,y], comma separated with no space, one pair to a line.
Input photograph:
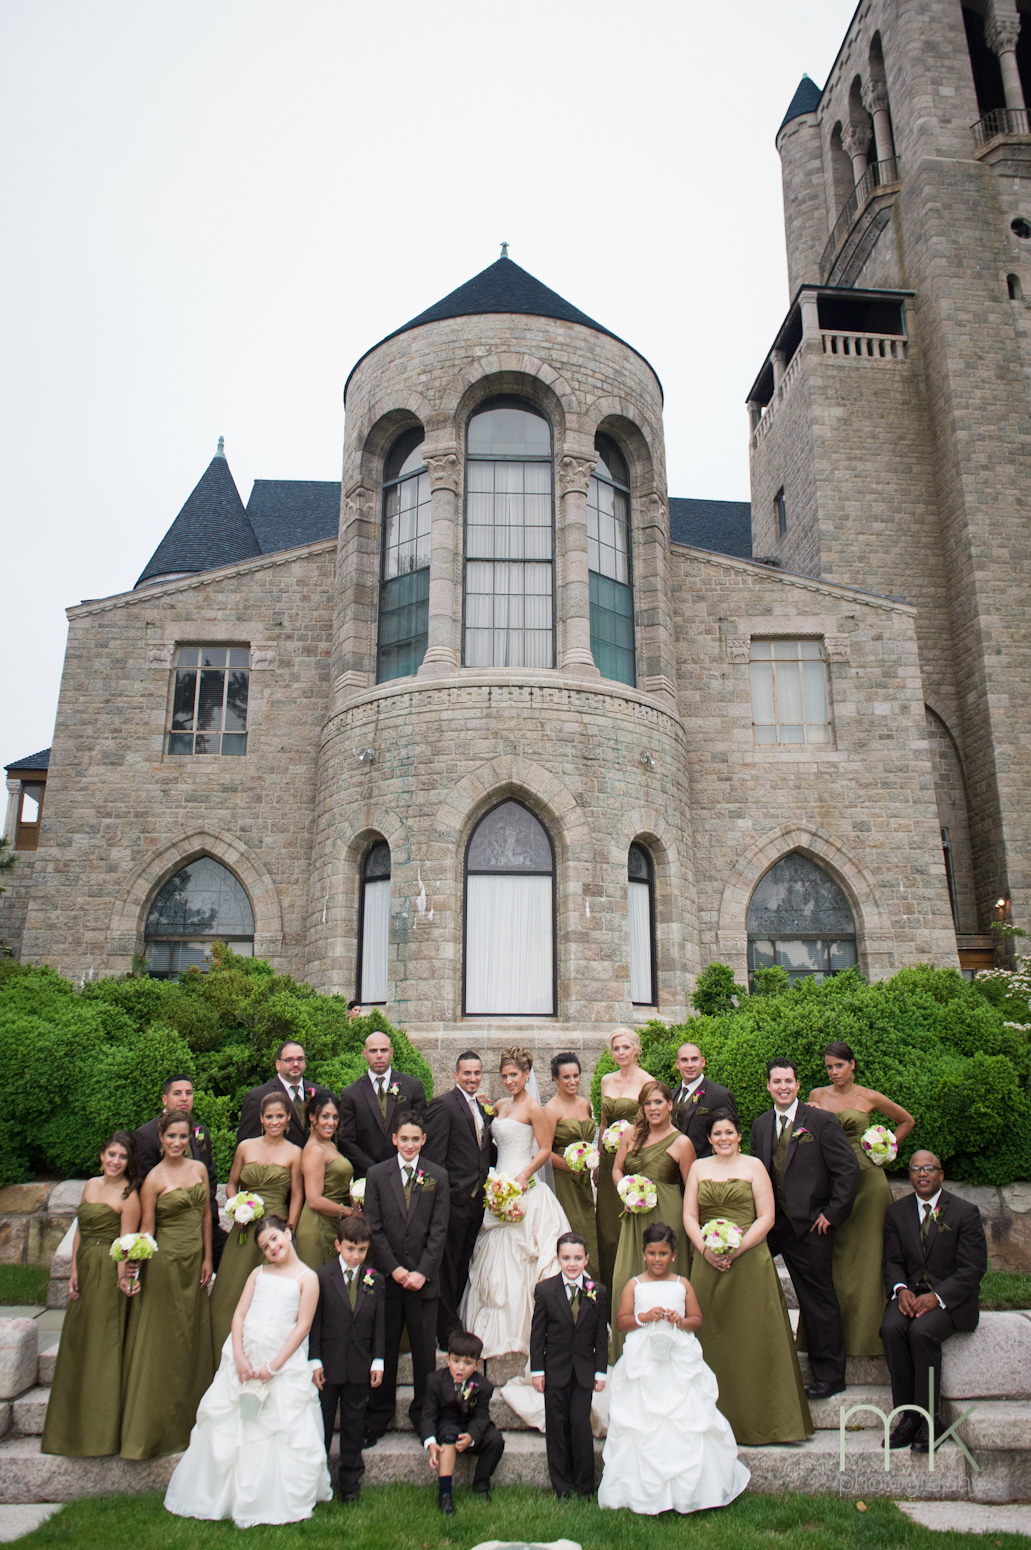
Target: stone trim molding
[786,578]
[789,627]
[574,473]
[511,775]
[444,470]
[203,578]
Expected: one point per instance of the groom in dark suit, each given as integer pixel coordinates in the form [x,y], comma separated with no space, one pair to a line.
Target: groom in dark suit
[935,1255]
[458,1140]
[697,1097]
[814,1174]
[177,1098]
[406,1205]
[368,1106]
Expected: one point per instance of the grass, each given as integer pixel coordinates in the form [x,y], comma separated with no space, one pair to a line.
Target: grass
[1002,1290]
[24,1284]
[405,1518]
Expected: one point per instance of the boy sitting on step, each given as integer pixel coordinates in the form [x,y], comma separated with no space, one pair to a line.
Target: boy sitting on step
[456,1419]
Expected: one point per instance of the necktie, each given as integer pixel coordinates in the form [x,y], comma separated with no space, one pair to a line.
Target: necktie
[925,1224]
[298,1103]
[574,1303]
[381,1095]
[780,1157]
[477,1118]
[352,1289]
[408,1185]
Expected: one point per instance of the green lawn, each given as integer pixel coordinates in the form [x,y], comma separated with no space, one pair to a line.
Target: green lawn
[1004,1289]
[405,1518]
[24,1284]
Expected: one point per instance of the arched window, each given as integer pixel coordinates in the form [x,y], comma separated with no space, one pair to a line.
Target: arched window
[509,916]
[202,904]
[799,918]
[509,538]
[374,926]
[404,594]
[641,910]
[609,562]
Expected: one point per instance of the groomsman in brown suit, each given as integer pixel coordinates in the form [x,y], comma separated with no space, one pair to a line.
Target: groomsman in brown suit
[814,1175]
[697,1097]
[368,1106]
[291,1064]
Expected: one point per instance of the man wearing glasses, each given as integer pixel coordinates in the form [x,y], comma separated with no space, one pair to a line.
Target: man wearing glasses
[935,1255]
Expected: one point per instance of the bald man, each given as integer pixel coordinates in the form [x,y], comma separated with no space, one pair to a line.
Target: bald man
[368,1106]
[697,1097]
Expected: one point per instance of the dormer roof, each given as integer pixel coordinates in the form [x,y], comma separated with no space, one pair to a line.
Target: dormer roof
[807,97]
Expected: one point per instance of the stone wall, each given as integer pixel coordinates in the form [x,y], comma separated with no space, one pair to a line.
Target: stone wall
[34,1218]
[14,901]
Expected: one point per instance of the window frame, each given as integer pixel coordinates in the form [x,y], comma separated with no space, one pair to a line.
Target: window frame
[363,882]
[827,936]
[653,954]
[389,487]
[798,661]
[780,506]
[482,872]
[198,668]
[231,939]
[624,490]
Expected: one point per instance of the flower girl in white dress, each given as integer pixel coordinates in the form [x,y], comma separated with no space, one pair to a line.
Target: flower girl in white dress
[668,1447]
[257,1453]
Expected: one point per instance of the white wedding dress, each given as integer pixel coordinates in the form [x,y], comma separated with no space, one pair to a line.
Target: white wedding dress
[668,1446]
[269,1469]
[511,1257]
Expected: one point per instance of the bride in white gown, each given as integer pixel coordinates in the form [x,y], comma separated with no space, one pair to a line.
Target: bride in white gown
[511,1257]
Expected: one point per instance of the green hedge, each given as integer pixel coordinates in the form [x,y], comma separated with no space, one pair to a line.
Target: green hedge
[927,1038]
[77,1063]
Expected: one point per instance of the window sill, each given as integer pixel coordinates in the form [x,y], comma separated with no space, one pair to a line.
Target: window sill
[793,753]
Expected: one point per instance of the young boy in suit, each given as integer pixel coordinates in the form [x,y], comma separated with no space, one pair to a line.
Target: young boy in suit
[569,1339]
[347,1341]
[456,1419]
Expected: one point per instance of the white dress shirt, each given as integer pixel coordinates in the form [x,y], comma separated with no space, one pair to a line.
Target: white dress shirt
[470,1099]
[357,1270]
[922,1206]
[568,1286]
[292,1087]
[385,1079]
[688,1089]
[779,1114]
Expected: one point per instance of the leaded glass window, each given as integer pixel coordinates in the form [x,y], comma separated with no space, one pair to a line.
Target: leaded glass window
[641,911]
[509,916]
[202,904]
[610,579]
[404,597]
[790,698]
[209,700]
[509,538]
[799,918]
[374,926]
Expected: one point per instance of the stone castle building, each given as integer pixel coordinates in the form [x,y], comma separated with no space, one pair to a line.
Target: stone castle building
[496,729]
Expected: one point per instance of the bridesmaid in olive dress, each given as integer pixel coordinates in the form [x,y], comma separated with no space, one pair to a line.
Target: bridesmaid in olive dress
[327,1185]
[659,1150]
[746,1332]
[574,1120]
[269,1166]
[167,1363]
[620,1099]
[858,1242]
[84,1413]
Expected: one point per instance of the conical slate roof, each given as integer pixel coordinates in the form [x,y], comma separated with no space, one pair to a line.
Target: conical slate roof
[807,97]
[212,529]
[502,287]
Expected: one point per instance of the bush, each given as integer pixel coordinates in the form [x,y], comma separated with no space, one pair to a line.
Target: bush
[77,1063]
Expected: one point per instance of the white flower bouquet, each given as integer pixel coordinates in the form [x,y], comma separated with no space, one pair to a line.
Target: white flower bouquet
[879,1144]
[721,1236]
[134,1247]
[638,1194]
[244,1209]
[504,1197]
[581,1156]
[614,1134]
[358,1192]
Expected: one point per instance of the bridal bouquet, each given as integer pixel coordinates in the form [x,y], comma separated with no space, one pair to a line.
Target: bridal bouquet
[581,1156]
[134,1247]
[244,1209]
[879,1144]
[504,1197]
[358,1192]
[637,1193]
[721,1236]
[614,1134]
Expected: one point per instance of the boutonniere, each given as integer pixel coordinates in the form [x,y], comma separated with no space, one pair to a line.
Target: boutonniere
[419,1177]
[197,1132]
[468,1393]
[797,1135]
[696,1095]
[393,1089]
[488,1108]
[936,1218]
[368,1280]
[589,1291]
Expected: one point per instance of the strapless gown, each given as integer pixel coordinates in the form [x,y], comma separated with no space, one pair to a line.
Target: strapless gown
[269,1469]
[574,1190]
[668,1446]
[272,1182]
[656,1164]
[746,1333]
[511,1257]
[84,1413]
[315,1233]
[608,1210]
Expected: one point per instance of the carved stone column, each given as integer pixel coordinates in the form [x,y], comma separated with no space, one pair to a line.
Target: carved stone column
[573,623]
[11,820]
[354,632]
[1002,27]
[875,101]
[656,655]
[444,645]
[855,141]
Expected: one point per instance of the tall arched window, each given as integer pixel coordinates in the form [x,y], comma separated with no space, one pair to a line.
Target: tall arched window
[202,904]
[641,910]
[374,926]
[509,538]
[509,916]
[799,918]
[609,562]
[404,594]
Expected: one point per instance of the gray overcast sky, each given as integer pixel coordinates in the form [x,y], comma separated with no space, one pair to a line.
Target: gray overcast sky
[212,209]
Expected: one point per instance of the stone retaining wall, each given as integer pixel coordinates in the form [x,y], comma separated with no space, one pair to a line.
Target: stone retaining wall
[34,1218]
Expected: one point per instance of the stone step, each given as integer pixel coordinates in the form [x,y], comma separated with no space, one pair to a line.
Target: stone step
[814,1466]
[28,1412]
[860,1371]
[826,1413]
[45,1368]
[27,1475]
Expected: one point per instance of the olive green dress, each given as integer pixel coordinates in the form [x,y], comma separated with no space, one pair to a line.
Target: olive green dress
[272,1182]
[574,1190]
[656,1164]
[84,1413]
[167,1364]
[859,1248]
[609,1206]
[746,1332]
[315,1233]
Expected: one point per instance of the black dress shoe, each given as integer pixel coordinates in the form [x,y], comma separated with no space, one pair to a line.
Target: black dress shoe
[904,1431]
[352,1496]
[482,1491]
[446,1504]
[824,1390]
[922,1441]
[562,1496]
[370,1440]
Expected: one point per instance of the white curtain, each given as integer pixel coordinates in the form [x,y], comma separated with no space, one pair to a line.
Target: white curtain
[375,937]
[508,946]
[640,912]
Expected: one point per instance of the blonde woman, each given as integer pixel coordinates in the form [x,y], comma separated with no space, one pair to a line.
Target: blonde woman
[620,1099]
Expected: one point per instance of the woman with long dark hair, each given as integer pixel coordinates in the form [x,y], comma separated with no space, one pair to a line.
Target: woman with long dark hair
[574,1121]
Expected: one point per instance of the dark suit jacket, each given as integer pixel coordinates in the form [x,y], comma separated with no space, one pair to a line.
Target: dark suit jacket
[414,1237]
[451,1142]
[822,1171]
[148,1148]
[691,1117]
[442,1409]
[364,1134]
[561,1349]
[347,1343]
[954,1262]
[250,1112]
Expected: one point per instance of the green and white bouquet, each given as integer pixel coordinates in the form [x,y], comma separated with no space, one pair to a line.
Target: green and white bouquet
[614,1134]
[721,1236]
[879,1144]
[638,1194]
[245,1208]
[358,1192]
[134,1247]
[505,1197]
[581,1156]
